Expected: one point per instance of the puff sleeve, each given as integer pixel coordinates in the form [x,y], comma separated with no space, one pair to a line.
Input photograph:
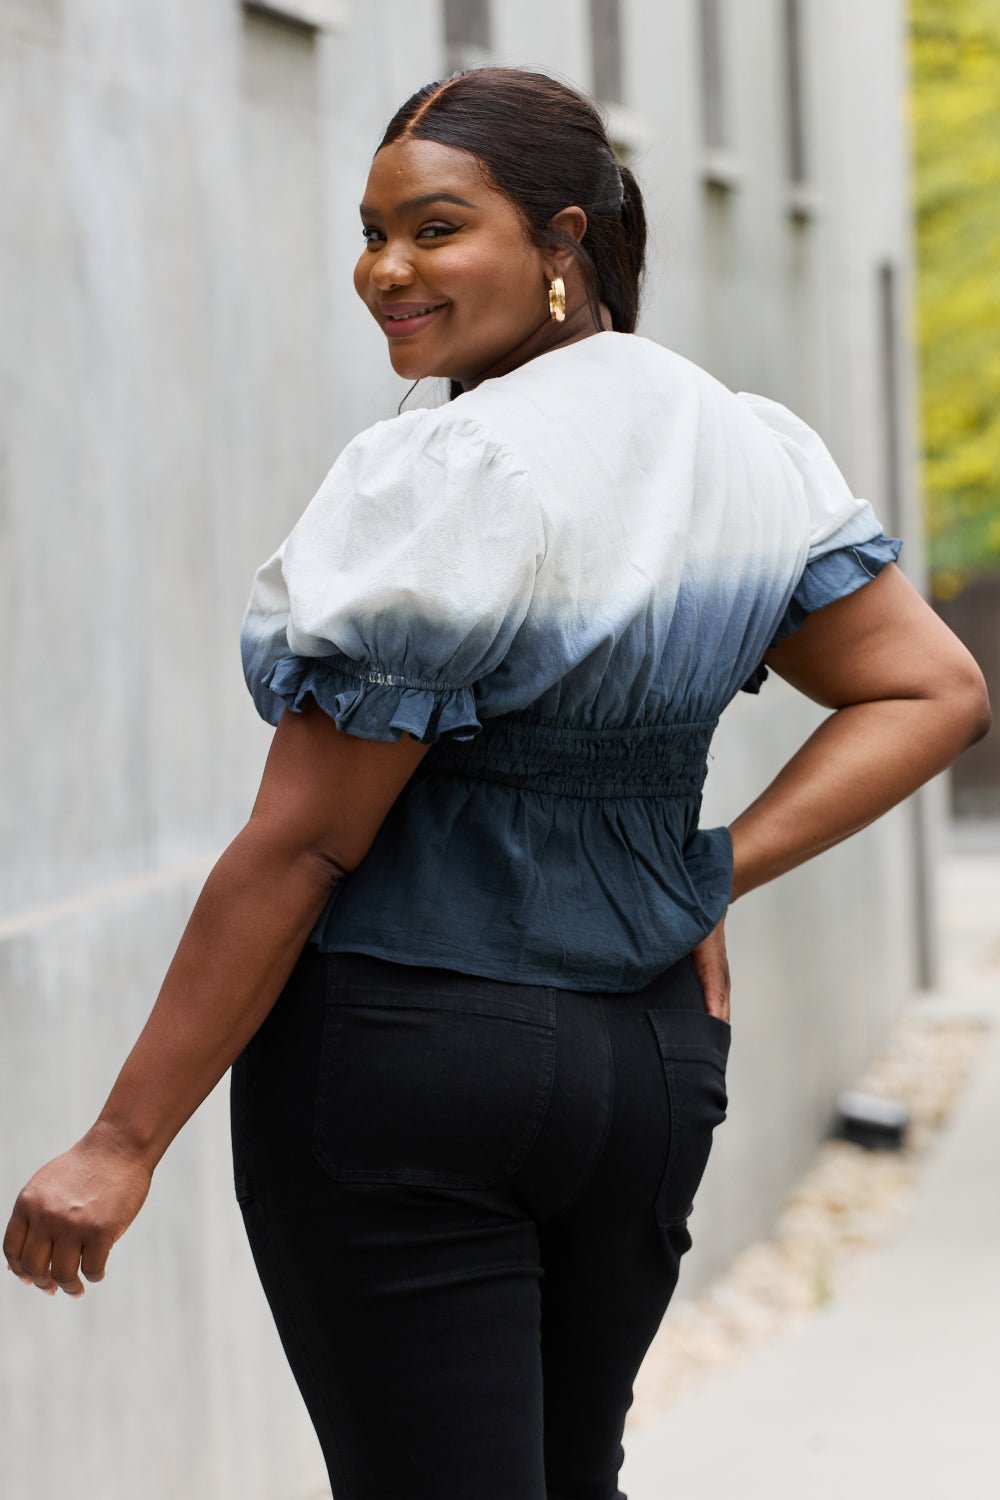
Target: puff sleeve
[402,585]
[847,546]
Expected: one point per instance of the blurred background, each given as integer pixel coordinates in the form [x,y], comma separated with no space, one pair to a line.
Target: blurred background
[182,356]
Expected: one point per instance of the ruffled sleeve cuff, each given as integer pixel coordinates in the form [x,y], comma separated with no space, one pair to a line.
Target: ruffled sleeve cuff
[370,704]
[832,576]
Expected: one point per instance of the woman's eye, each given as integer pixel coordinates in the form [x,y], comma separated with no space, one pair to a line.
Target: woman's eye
[435,230]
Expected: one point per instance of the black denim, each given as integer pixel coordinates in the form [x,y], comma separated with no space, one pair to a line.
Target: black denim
[467,1202]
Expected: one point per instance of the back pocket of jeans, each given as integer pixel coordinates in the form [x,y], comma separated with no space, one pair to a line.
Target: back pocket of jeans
[694,1050]
[436,1089]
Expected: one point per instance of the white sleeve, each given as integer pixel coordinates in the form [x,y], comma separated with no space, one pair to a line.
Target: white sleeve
[847,546]
[402,585]
[836,515]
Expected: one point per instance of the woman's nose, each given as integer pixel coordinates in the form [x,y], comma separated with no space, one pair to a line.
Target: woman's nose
[391,269]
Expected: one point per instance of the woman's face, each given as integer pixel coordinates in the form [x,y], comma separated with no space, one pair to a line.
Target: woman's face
[465,254]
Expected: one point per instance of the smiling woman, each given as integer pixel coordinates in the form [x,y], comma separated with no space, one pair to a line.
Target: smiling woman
[500,232]
[459,247]
[466,958]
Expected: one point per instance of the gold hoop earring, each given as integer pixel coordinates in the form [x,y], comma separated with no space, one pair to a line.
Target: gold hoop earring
[557,300]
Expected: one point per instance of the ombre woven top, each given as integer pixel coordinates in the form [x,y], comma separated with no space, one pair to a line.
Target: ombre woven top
[559,580]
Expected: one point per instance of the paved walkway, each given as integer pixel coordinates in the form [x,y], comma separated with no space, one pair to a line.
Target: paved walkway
[890,1392]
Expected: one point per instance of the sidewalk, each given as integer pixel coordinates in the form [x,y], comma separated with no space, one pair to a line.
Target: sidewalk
[889,1390]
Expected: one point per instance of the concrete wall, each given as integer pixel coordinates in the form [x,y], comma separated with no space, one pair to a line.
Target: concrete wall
[182,357]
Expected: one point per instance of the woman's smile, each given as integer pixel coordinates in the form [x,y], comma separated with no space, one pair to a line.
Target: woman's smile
[402,320]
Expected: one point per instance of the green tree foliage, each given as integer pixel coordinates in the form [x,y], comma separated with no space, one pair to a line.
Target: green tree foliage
[955,120]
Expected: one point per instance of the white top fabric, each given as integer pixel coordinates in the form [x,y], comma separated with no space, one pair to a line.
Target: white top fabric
[578,491]
[605,542]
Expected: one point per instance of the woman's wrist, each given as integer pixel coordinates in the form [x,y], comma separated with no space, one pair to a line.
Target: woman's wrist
[106,1135]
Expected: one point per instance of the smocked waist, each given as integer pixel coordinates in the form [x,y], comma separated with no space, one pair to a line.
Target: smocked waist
[639,760]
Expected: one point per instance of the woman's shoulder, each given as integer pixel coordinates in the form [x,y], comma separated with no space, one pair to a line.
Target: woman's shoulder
[608,389]
[423,439]
[422,474]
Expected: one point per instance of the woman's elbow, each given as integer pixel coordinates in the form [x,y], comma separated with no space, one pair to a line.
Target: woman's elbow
[982,718]
[968,703]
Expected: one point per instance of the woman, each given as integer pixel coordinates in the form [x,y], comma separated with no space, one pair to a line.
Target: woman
[467,955]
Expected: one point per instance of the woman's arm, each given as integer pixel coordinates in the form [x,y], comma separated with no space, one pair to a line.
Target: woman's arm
[323,798]
[908,699]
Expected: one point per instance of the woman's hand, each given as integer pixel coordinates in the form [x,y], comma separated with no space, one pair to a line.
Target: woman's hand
[711,964]
[68,1216]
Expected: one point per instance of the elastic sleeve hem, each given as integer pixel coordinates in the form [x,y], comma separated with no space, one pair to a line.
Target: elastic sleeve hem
[832,576]
[370,704]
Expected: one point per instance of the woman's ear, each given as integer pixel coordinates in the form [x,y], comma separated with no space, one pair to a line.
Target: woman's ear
[572,221]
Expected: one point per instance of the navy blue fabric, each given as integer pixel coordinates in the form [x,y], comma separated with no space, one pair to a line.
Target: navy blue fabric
[371,704]
[834,576]
[627,875]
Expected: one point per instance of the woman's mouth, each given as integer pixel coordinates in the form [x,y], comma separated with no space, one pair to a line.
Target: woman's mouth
[400,324]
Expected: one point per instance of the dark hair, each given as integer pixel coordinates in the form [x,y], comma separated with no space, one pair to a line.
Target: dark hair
[544,146]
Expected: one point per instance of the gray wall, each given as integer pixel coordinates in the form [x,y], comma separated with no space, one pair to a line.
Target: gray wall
[182,357]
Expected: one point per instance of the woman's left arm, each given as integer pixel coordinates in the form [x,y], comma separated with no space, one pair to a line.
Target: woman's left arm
[323,797]
[908,699]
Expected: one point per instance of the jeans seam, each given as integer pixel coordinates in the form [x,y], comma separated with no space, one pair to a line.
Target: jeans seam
[291,1316]
[436,1000]
[243,1183]
[670,1084]
[672,1089]
[585,1184]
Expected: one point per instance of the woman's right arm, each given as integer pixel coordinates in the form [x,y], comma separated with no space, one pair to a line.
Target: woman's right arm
[908,698]
[323,797]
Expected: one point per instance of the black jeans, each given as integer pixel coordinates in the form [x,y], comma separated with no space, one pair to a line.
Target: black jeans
[467,1201]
